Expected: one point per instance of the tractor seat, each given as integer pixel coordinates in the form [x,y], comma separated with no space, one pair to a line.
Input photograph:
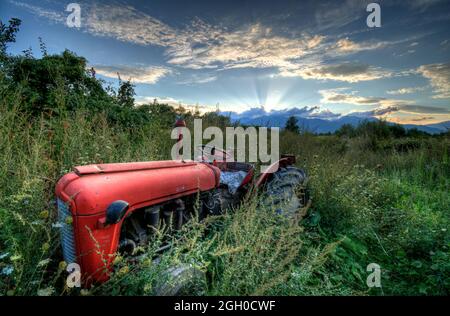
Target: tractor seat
[232,179]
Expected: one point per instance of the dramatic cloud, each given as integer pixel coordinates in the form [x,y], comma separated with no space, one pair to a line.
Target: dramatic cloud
[127,24]
[200,45]
[199,53]
[145,74]
[439,76]
[384,106]
[251,47]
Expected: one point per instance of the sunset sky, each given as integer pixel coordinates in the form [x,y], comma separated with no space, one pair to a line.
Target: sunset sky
[271,54]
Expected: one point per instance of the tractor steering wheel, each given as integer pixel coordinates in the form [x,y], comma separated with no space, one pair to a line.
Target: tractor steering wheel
[213,154]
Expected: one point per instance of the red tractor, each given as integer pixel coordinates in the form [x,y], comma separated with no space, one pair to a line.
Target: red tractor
[107,209]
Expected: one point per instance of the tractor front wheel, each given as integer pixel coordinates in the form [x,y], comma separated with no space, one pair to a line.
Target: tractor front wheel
[182,280]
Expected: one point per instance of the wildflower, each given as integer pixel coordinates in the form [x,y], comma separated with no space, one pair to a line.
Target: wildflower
[147,288]
[44,214]
[124,270]
[62,265]
[117,259]
[45,247]
[147,262]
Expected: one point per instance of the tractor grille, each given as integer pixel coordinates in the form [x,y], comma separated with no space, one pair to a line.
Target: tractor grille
[66,230]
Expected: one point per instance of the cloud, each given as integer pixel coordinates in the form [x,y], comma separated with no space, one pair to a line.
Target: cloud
[253,46]
[51,15]
[404,109]
[406,90]
[125,23]
[197,79]
[335,96]
[439,76]
[303,112]
[146,74]
[384,106]
[336,14]
[325,114]
[421,119]
[347,46]
[378,112]
[413,108]
[200,45]
[348,72]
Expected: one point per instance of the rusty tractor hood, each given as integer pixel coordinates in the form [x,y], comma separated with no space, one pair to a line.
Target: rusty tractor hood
[90,189]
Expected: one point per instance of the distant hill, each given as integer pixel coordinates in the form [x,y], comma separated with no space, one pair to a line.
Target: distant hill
[315,122]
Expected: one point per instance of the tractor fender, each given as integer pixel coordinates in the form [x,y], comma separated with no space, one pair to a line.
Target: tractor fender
[286,160]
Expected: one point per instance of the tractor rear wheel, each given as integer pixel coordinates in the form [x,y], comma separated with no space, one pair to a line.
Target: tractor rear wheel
[286,191]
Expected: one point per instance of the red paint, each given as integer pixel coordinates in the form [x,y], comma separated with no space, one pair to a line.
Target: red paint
[91,189]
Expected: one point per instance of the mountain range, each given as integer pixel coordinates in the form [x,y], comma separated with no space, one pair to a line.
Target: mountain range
[316,121]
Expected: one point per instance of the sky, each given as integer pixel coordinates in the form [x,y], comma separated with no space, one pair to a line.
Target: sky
[274,55]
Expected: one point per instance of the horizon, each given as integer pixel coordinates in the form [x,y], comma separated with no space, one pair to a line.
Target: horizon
[238,56]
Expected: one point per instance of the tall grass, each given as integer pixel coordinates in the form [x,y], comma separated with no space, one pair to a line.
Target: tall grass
[386,206]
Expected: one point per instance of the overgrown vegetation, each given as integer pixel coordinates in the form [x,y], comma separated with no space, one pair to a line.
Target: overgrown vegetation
[377,197]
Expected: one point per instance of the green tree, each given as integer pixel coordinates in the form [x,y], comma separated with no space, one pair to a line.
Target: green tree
[125,94]
[56,82]
[8,34]
[292,125]
[346,130]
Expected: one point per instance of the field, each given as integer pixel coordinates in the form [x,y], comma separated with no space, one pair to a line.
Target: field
[377,197]
[384,206]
